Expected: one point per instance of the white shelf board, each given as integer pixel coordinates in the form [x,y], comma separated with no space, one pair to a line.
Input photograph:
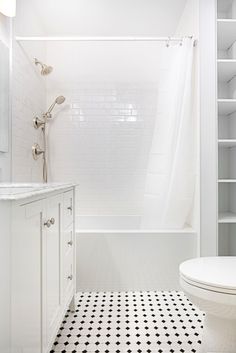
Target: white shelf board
[227,217]
[227,142]
[226,69]
[226,181]
[226,33]
[226,106]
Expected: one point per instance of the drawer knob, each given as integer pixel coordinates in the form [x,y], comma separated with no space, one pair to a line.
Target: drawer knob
[69,208]
[70,277]
[70,243]
[47,223]
[52,220]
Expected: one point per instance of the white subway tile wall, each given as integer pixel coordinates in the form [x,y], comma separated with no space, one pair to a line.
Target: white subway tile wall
[28,100]
[101,138]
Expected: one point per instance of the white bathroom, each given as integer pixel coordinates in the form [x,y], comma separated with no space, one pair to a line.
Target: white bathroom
[117,176]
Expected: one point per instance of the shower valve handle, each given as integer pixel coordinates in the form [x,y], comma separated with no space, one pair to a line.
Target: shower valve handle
[36,151]
[37,123]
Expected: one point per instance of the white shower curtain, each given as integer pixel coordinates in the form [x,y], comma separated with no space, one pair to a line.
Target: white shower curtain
[171,174]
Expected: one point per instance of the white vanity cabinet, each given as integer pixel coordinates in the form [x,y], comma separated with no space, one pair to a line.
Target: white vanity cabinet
[43,265]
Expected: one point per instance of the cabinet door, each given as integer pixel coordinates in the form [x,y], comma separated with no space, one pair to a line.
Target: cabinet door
[27,235]
[52,270]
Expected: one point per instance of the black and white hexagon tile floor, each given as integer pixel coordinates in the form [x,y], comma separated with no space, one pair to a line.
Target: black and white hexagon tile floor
[131,322]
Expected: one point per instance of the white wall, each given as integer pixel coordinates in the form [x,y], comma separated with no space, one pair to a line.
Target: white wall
[5,275]
[5,175]
[189,26]
[101,17]
[208,114]
[28,99]
[189,22]
[5,158]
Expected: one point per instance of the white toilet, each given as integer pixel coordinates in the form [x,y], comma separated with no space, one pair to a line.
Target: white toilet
[210,283]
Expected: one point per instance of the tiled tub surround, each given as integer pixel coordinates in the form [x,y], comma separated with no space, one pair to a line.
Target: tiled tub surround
[102,138]
[131,322]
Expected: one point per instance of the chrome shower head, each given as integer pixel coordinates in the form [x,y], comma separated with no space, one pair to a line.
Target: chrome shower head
[45,69]
[58,100]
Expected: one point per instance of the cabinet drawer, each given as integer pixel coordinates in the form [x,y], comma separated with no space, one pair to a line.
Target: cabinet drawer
[68,205]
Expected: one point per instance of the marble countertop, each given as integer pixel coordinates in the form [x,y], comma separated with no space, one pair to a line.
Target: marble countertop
[18,191]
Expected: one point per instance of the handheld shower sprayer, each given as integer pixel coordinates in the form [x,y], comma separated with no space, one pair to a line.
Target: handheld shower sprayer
[58,100]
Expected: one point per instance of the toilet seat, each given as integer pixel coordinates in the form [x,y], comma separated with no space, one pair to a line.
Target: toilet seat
[215,274]
[208,287]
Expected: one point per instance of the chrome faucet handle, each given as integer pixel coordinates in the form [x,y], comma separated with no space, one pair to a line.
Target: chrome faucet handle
[36,151]
[37,122]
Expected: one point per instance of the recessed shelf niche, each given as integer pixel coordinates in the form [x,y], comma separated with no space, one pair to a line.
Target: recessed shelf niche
[227,89]
[227,160]
[227,239]
[227,199]
[227,127]
[226,9]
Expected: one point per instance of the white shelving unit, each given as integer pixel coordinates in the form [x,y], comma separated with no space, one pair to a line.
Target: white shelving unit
[226,102]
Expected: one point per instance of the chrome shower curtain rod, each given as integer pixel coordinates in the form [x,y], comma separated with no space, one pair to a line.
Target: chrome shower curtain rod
[104,39]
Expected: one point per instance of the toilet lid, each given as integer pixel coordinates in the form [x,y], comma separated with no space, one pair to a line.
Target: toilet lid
[219,272]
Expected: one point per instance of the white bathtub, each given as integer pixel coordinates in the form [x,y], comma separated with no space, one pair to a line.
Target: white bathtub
[114,254]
